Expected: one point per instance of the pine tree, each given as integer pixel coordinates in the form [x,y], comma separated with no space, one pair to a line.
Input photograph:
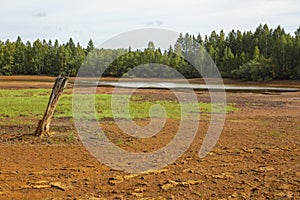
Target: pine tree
[90,47]
[20,57]
[151,46]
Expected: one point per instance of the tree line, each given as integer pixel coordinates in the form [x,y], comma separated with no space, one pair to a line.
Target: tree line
[262,55]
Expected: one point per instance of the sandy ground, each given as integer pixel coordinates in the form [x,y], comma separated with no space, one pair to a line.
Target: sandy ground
[256,157]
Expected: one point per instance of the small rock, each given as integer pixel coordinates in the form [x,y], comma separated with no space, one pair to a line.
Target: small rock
[233,196]
[194,182]
[248,150]
[225,175]
[115,180]
[58,185]
[168,185]
[263,169]
[189,171]
[41,186]
[140,190]
[137,194]
[155,172]
[130,176]
[189,158]
[40,182]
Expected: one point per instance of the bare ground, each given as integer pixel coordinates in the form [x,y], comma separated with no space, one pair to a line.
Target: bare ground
[256,157]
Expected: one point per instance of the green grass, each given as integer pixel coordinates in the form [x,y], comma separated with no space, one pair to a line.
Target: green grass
[33,102]
[70,139]
[27,102]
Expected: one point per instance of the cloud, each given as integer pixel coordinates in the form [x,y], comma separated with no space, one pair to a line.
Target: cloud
[40,14]
[31,19]
[154,23]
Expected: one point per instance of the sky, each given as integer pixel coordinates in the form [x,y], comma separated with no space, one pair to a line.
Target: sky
[101,20]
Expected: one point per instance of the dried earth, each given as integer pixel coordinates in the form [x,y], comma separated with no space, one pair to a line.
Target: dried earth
[256,157]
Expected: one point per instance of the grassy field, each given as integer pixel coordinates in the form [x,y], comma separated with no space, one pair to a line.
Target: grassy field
[33,102]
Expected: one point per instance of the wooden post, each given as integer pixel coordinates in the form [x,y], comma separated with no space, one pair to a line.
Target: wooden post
[57,90]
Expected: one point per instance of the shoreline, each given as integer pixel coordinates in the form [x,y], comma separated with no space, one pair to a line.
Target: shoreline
[41,81]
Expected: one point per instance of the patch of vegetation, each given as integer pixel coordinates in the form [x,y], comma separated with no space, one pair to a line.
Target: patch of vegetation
[275,133]
[18,121]
[18,103]
[33,102]
[120,142]
[70,139]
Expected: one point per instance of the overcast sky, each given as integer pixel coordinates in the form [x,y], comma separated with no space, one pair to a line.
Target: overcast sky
[101,20]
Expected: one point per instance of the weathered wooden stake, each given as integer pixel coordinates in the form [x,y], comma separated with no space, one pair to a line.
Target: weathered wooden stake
[57,90]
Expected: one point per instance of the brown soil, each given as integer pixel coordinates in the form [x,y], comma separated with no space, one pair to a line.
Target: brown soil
[256,157]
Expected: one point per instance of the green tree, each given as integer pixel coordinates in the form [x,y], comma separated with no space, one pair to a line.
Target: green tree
[8,58]
[256,54]
[151,46]
[20,57]
[228,62]
[90,47]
